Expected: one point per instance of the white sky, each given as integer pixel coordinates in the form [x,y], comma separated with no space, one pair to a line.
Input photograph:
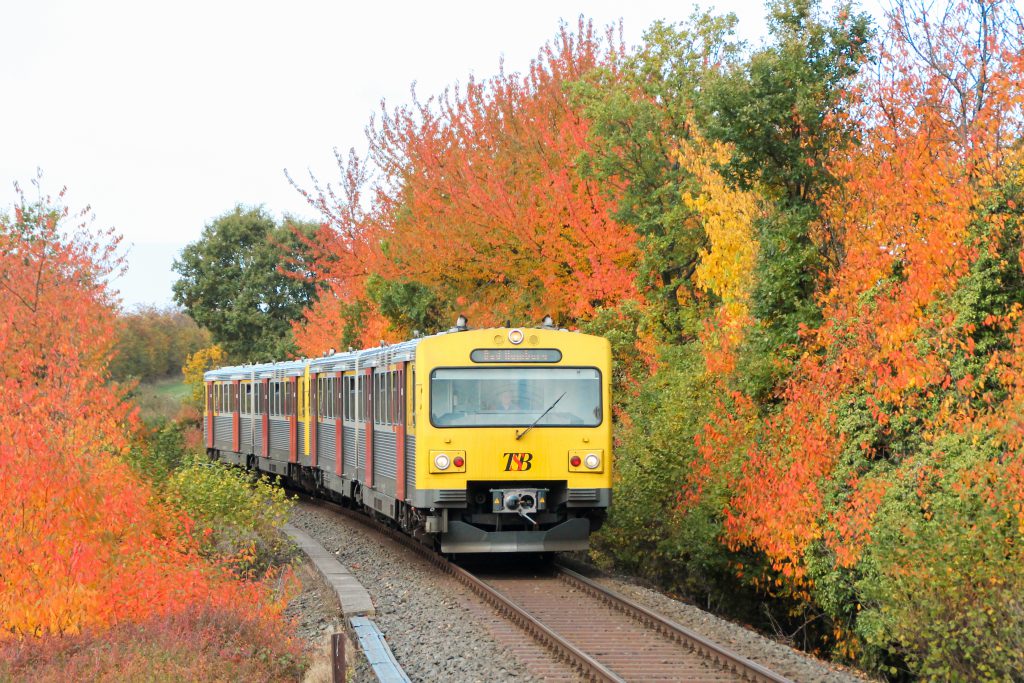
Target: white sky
[163,116]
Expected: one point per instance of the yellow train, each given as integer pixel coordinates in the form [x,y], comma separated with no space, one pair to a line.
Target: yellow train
[475,441]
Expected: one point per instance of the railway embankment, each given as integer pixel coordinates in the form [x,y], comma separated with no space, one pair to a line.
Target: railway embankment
[439,630]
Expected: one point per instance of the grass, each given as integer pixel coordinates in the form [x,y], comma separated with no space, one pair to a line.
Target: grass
[196,644]
[161,399]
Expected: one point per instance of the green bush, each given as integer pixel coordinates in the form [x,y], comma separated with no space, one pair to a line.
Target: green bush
[238,513]
[943,580]
[159,454]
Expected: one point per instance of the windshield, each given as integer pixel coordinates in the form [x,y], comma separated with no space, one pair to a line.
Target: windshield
[493,397]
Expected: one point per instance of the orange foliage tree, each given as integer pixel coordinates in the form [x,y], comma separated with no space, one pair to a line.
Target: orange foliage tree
[83,543]
[906,397]
[480,208]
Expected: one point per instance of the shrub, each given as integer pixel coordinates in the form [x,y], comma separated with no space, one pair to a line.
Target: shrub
[159,453]
[240,514]
[943,584]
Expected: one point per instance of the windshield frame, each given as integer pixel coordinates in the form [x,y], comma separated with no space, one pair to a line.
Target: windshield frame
[533,414]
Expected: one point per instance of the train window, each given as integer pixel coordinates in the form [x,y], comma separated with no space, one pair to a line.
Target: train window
[519,396]
[323,397]
[320,382]
[360,398]
[224,397]
[246,395]
[277,398]
[396,394]
[339,396]
[395,412]
[378,398]
[329,403]
[389,408]
[327,398]
[348,396]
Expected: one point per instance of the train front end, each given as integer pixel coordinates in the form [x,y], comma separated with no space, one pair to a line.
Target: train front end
[513,441]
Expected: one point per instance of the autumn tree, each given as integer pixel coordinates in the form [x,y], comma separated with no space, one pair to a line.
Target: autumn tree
[893,463]
[641,107]
[84,544]
[785,112]
[153,343]
[480,209]
[232,282]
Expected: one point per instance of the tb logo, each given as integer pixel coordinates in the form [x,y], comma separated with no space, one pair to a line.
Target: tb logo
[518,462]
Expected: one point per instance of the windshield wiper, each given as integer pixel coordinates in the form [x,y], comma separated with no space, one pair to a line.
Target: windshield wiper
[519,436]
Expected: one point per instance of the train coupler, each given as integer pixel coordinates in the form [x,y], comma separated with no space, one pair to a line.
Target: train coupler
[520,502]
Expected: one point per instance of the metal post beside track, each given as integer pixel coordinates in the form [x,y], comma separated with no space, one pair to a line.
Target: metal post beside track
[338,658]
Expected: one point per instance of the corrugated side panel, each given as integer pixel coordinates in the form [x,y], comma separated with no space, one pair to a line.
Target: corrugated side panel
[410,463]
[302,442]
[245,444]
[279,439]
[206,429]
[325,440]
[222,433]
[384,464]
[349,434]
[257,442]
[360,450]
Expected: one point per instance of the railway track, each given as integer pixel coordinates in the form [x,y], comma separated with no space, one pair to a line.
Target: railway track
[603,636]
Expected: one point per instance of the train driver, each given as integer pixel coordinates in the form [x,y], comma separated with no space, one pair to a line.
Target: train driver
[507,400]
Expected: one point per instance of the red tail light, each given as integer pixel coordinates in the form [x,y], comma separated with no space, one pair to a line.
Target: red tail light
[459,461]
[575,461]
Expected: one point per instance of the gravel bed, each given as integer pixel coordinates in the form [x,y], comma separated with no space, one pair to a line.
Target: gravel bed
[780,658]
[435,637]
[422,613]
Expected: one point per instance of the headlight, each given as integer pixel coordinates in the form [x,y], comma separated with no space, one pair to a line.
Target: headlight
[447,461]
[515,336]
[589,460]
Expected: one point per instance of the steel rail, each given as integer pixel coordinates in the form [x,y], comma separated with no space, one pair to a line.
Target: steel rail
[728,660]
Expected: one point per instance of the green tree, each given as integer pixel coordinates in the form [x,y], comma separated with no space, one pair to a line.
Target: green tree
[232,282]
[641,110]
[785,112]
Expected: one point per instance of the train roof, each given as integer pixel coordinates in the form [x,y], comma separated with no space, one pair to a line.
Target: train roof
[337,362]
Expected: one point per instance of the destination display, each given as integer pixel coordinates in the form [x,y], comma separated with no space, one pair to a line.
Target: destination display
[515,355]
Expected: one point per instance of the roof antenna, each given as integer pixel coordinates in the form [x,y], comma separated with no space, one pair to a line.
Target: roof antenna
[462,324]
[548,323]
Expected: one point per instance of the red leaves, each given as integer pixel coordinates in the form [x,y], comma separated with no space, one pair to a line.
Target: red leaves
[484,204]
[83,543]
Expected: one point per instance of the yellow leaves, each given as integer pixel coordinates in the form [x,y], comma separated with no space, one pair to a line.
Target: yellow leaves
[197,364]
[726,267]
